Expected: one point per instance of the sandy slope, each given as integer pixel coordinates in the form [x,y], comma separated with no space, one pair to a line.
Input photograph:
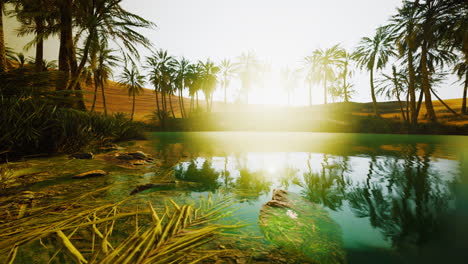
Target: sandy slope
[118,101]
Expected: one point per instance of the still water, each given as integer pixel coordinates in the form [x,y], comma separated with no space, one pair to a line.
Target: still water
[396,198]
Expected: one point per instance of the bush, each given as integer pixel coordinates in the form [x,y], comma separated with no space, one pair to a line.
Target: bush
[31,126]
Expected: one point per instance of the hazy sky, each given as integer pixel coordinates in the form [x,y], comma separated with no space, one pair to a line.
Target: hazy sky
[279,32]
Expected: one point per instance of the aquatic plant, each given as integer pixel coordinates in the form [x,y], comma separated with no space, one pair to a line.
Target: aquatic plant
[115,233]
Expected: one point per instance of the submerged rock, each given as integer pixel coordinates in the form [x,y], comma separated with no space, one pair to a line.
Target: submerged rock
[161,185]
[302,229]
[139,155]
[90,174]
[108,148]
[85,155]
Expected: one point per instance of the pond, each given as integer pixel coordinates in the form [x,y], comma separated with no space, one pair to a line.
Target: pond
[385,198]
[396,198]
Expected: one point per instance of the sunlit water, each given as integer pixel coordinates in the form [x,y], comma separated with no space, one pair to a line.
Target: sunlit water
[398,199]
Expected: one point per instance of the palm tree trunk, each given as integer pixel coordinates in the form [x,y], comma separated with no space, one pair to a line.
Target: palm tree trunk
[465,90]
[65,36]
[374,98]
[3,61]
[442,101]
[411,89]
[401,107]
[408,116]
[95,95]
[39,63]
[345,88]
[192,102]
[325,92]
[133,106]
[310,93]
[158,112]
[104,105]
[426,86]
[418,108]
[170,104]
[198,106]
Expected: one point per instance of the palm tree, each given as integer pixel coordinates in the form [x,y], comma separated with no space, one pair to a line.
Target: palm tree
[194,85]
[160,65]
[109,20]
[393,86]
[461,69]
[102,66]
[310,66]
[133,81]
[289,81]
[3,59]
[248,65]
[37,17]
[182,68]
[227,69]
[346,73]
[209,81]
[403,28]
[373,54]
[325,62]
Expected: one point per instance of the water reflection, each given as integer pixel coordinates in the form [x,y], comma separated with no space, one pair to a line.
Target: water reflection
[404,191]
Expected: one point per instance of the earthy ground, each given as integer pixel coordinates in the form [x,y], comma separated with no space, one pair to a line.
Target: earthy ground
[118,101]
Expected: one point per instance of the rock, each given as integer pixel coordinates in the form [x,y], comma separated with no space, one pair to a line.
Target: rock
[302,229]
[140,162]
[138,155]
[161,186]
[85,155]
[90,174]
[109,147]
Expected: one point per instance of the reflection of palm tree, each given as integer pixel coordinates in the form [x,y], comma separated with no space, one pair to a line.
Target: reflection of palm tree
[252,184]
[410,210]
[324,187]
[206,176]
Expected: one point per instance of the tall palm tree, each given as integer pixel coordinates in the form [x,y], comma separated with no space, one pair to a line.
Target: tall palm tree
[461,69]
[133,82]
[182,68]
[373,54]
[403,27]
[37,17]
[346,73]
[209,81]
[289,81]
[228,69]
[3,59]
[326,62]
[104,62]
[194,85]
[310,66]
[393,86]
[456,38]
[160,65]
[109,20]
[248,66]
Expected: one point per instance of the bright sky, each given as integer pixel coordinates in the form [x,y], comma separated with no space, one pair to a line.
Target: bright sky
[279,32]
